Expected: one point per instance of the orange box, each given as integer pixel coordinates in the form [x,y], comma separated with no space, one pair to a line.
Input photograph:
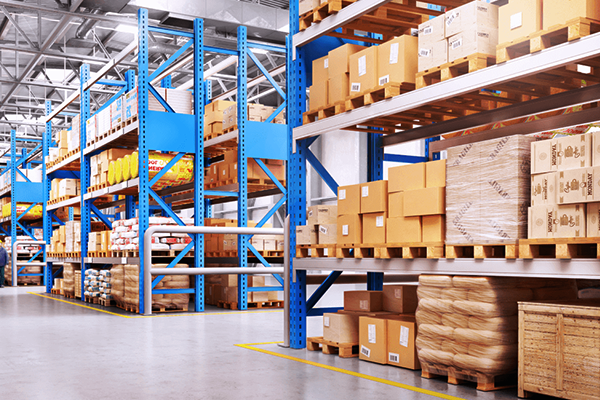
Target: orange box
[339,59]
[406,177]
[395,204]
[349,199]
[339,88]
[363,70]
[435,174]
[397,60]
[372,339]
[374,228]
[320,70]
[429,201]
[363,300]
[434,228]
[349,229]
[519,18]
[404,230]
[401,299]
[401,337]
[374,197]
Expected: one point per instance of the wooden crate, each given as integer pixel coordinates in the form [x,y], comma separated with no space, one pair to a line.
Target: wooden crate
[559,349]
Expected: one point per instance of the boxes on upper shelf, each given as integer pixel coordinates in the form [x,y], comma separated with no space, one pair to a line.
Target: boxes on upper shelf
[322,215]
[396,60]
[432,31]
[558,12]
[373,339]
[473,40]
[432,54]
[349,229]
[406,177]
[557,221]
[477,13]
[349,200]
[374,197]
[339,59]
[363,70]
[518,19]
[327,234]
[429,201]
[374,228]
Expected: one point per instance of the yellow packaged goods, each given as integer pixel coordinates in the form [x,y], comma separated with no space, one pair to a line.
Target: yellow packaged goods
[126,167]
[363,70]
[111,173]
[34,213]
[182,172]
[396,60]
[519,18]
[559,12]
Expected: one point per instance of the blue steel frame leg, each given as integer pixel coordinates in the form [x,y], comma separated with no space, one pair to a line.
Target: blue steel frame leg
[375,172]
[47,220]
[435,156]
[13,199]
[85,170]
[130,200]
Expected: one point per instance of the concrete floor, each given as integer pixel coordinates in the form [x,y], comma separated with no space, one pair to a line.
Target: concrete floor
[52,349]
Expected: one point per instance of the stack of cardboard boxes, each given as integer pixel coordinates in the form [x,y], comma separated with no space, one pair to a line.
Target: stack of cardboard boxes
[73,134]
[225,288]
[381,322]
[213,117]
[320,228]
[64,189]
[214,243]
[72,236]
[256,112]
[565,176]
[226,171]
[99,241]
[460,32]
[99,165]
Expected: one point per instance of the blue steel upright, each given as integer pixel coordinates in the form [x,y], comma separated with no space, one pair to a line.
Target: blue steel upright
[375,173]
[47,221]
[84,170]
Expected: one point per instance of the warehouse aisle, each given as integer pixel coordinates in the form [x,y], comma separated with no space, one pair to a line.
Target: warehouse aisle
[51,349]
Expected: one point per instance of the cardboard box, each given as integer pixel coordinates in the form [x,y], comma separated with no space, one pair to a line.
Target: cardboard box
[396,60]
[401,337]
[571,221]
[349,200]
[432,31]
[544,156]
[435,174]
[593,220]
[432,55]
[303,235]
[558,12]
[312,216]
[373,197]
[407,177]
[320,71]
[373,339]
[433,228]
[573,185]
[404,230]
[363,300]
[67,187]
[319,95]
[519,18]
[477,13]
[395,204]
[327,234]
[339,59]
[349,229]
[471,41]
[542,222]
[339,88]
[401,299]
[374,228]
[574,151]
[543,189]
[429,201]
[305,6]
[340,328]
[322,215]
[363,70]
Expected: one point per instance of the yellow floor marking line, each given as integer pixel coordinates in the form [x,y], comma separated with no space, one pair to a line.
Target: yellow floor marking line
[250,346]
[153,316]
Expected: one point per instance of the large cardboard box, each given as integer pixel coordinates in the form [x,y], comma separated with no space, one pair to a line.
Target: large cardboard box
[519,18]
[407,177]
[571,221]
[429,201]
[544,156]
[327,234]
[327,214]
[312,216]
[363,70]
[339,88]
[432,55]
[374,197]
[349,229]
[435,174]
[374,229]
[400,298]
[401,337]
[574,151]
[340,328]
[471,41]
[318,96]
[339,59]
[303,234]
[349,199]
[433,228]
[363,300]
[558,12]
[404,230]
[373,339]
[543,189]
[432,30]
[320,71]
[593,220]
[396,60]
[396,205]
[573,185]
[477,13]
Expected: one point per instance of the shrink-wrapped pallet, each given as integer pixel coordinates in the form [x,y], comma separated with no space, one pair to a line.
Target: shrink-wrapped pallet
[471,324]
[488,191]
[69,279]
[132,285]
[177,301]
[118,284]
[77,284]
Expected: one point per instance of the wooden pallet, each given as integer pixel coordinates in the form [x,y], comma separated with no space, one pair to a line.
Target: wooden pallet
[457,376]
[324,112]
[97,254]
[322,11]
[377,94]
[130,120]
[91,299]
[233,305]
[229,129]
[69,295]
[560,248]
[165,309]
[106,302]
[155,253]
[459,67]
[59,199]
[572,30]
[134,308]
[55,291]
[73,254]
[434,250]
[481,251]
[315,250]
[98,187]
[344,350]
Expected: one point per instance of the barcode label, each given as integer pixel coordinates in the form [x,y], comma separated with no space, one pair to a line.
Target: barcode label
[451,18]
[326,321]
[345,230]
[456,44]
[383,80]
[342,194]
[404,334]
[326,63]
[424,52]
[325,252]
[365,191]
[310,213]
[379,222]
[355,87]
[393,357]
[322,229]
[394,53]
[398,293]
[362,65]
[428,30]
[372,333]
[365,351]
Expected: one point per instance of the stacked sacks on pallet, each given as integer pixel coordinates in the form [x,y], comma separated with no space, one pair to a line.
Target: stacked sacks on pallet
[105,279]
[92,283]
[125,235]
[117,273]
[177,301]
[471,323]
[69,279]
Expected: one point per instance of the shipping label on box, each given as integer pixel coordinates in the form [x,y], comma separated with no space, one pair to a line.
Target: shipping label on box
[363,70]
[396,62]
[327,233]
[373,339]
[574,152]
[349,200]
[432,31]
[571,221]
[573,186]
[130,107]
[374,197]
[349,229]
[558,12]
[543,189]
[374,228]
[401,346]
[518,19]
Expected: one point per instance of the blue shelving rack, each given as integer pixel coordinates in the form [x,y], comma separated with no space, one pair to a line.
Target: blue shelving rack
[188,138]
[22,192]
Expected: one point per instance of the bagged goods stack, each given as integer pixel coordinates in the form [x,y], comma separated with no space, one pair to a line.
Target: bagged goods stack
[117,273]
[69,280]
[470,323]
[77,284]
[162,302]
[92,283]
[105,279]
[490,205]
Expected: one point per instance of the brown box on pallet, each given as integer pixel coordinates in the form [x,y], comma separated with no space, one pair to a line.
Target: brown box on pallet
[270,244]
[363,300]
[435,174]
[319,95]
[396,60]
[403,230]
[558,12]
[340,328]
[363,70]
[474,14]
[339,88]
[374,230]
[407,177]
[372,339]
[322,215]
[349,229]
[320,71]
[519,18]
[349,200]
[221,105]
[396,205]
[401,337]
[327,234]
[429,201]
[339,59]
[432,55]
[432,30]
[303,235]
[433,228]
[374,197]
[401,299]
[474,40]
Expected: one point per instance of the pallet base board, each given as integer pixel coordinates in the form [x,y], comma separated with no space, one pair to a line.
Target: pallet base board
[233,305]
[344,350]
[559,248]
[457,376]
[482,251]
[392,250]
[462,66]
[315,250]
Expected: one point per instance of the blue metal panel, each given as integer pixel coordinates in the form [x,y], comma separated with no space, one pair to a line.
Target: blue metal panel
[400,158]
[110,82]
[13,197]
[30,192]
[259,133]
[277,111]
[436,156]
[375,173]
[85,170]
[172,291]
[268,47]
[220,193]
[243,141]
[165,169]
[267,171]
[220,50]
[168,131]
[265,289]
[130,200]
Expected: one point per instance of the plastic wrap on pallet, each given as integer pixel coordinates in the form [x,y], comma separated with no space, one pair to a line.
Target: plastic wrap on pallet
[488,191]
[478,334]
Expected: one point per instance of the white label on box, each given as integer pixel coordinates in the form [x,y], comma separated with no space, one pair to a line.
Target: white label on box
[404,333]
[355,87]
[516,20]
[383,80]
[365,191]
[365,351]
[394,53]
[345,230]
[326,63]
[456,44]
[310,213]
[451,18]
[393,357]
[342,194]
[372,333]
[428,30]
[398,293]
[363,304]
[323,230]
[424,52]
[325,321]
[379,222]
[325,252]
[362,65]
